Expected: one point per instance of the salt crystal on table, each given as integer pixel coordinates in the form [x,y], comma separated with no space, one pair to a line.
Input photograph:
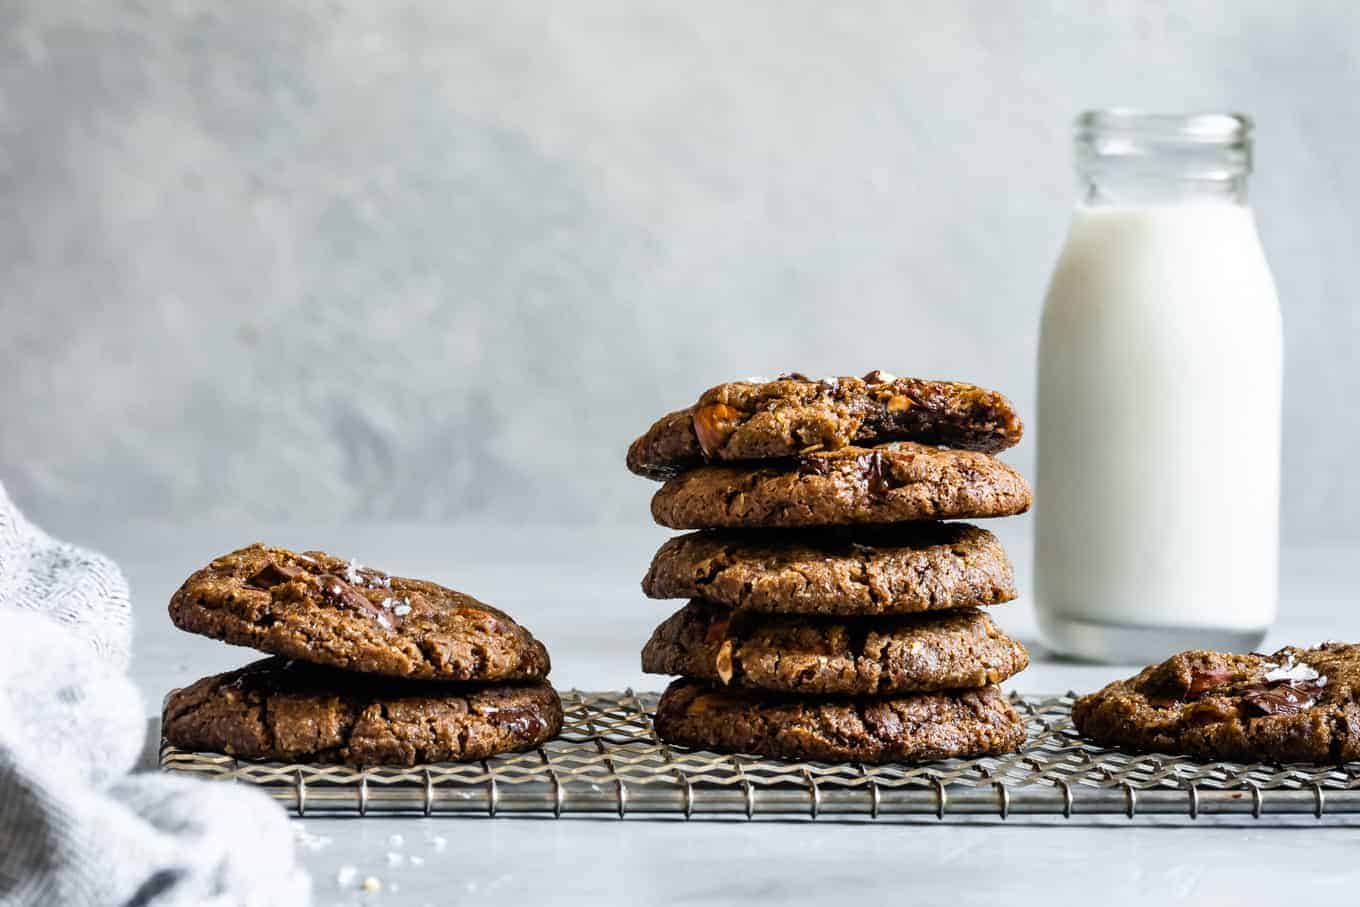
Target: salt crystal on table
[439,842]
[345,876]
[304,838]
[395,841]
[394,859]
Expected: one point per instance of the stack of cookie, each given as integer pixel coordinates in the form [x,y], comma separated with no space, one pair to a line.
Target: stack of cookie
[368,669]
[832,615]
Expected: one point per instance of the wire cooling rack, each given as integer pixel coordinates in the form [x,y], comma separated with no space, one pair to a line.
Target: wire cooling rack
[608,761]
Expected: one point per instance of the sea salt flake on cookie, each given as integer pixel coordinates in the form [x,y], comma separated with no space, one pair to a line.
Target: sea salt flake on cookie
[1291,672]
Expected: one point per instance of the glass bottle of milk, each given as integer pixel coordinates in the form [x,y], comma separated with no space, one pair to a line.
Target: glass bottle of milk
[1157,502]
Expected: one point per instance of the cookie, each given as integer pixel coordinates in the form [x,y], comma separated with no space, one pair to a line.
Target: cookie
[1297,705]
[294,711]
[830,656]
[885,484]
[919,727]
[757,420]
[323,609]
[897,569]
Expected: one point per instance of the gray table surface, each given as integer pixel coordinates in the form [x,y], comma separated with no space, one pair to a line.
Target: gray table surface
[577,589]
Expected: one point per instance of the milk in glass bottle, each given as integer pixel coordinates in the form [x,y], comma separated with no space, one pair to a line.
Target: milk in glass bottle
[1157,501]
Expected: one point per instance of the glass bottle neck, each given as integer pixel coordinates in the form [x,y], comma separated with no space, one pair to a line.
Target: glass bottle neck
[1125,158]
[1126,190]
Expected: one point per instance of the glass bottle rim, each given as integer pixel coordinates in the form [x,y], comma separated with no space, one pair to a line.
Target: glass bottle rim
[1206,127]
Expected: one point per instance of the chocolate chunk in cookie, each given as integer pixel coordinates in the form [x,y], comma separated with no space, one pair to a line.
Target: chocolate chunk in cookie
[326,610]
[885,484]
[918,727]
[899,569]
[1297,705]
[294,711]
[794,414]
[831,656]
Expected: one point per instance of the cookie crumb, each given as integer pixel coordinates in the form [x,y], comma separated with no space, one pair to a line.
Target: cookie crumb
[371,884]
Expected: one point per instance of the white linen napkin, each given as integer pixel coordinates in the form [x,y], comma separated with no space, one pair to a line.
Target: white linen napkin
[75,827]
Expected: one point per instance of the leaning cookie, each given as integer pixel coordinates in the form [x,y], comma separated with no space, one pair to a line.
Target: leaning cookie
[889,483]
[1297,705]
[921,727]
[830,656]
[293,711]
[794,414]
[323,609]
[868,570]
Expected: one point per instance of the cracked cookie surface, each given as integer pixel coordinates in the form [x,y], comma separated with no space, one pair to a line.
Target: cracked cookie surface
[890,483]
[320,608]
[290,710]
[920,727]
[901,569]
[829,656]
[794,414]
[1296,705]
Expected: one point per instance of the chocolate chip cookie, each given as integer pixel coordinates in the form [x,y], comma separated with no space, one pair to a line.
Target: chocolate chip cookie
[794,414]
[829,656]
[295,711]
[1297,705]
[885,484]
[920,727]
[323,609]
[897,569]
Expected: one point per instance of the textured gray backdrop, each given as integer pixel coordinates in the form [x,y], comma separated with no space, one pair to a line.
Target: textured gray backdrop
[442,261]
